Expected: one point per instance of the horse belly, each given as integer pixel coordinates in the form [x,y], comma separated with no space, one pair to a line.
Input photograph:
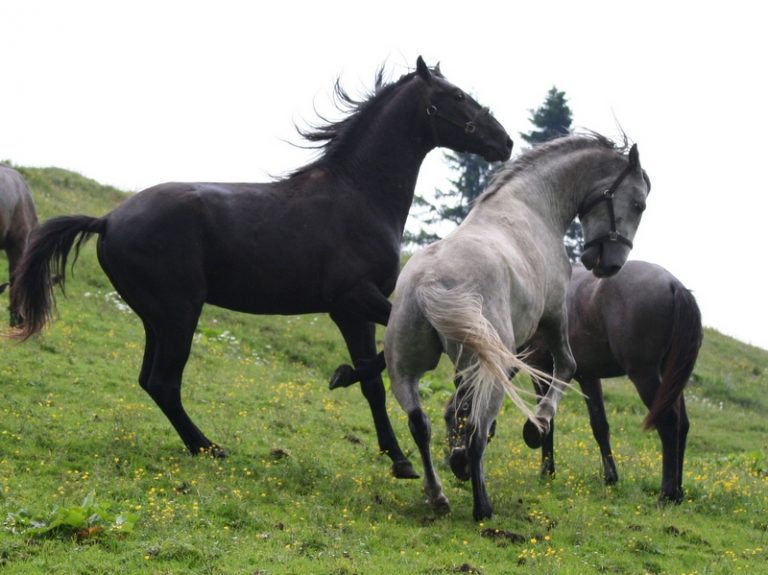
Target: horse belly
[265,297]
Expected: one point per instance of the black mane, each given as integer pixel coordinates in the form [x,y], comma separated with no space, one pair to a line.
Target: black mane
[328,136]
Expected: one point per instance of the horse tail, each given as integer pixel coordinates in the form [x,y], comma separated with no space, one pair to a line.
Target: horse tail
[458,315]
[44,264]
[683,351]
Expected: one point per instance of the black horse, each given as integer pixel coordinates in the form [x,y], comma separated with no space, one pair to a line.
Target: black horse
[324,239]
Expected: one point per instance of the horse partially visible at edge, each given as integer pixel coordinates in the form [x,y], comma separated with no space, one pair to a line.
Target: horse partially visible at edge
[642,323]
[324,239]
[501,277]
[17,219]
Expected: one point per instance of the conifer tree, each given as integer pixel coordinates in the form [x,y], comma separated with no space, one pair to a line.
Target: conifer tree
[552,120]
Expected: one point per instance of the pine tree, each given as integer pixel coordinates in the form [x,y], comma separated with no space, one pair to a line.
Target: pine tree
[552,120]
[472,175]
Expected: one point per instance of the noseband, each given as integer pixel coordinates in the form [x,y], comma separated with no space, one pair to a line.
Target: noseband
[607,196]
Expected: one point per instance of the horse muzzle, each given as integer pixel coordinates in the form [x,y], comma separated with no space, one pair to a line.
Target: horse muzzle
[605,259]
[459,463]
[498,151]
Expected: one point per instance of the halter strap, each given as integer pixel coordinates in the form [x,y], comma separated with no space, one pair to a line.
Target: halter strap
[607,196]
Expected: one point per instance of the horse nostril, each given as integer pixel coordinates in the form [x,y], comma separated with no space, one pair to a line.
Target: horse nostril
[509,143]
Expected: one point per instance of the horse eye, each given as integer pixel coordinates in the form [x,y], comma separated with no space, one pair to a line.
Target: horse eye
[639,207]
[459,96]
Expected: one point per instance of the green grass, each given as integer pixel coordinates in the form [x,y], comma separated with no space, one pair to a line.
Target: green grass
[305,490]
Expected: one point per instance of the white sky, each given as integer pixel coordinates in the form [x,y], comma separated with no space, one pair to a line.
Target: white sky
[137,93]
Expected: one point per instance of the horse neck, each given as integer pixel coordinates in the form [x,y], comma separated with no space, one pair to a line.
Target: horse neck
[382,158]
[556,187]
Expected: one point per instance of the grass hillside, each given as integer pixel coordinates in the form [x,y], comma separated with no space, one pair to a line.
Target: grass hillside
[93,478]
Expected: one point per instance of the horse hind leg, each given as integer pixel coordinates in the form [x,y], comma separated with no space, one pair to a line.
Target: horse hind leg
[478,435]
[682,438]
[406,390]
[421,429]
[668,427]
[162,381]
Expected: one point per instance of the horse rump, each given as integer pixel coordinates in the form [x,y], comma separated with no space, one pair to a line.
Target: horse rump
[680,359]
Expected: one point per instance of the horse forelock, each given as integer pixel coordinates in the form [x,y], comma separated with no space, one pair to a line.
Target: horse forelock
[558,147]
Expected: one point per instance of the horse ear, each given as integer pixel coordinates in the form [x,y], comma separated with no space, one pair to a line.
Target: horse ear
[634,156]
[437,69]
[423,70]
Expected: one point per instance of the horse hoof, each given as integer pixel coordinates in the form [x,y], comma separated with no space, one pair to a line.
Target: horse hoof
[547,472]
[611,479]
[404,470]
[342,377]
[440,505]
[671,498]
[484,512]
[532,436]
[213,450]
[459,464]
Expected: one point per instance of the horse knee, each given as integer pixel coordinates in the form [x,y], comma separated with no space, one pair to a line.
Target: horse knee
[162,392]
[373,391]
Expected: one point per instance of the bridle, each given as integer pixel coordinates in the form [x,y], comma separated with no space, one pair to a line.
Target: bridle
[469,127]
[607,196]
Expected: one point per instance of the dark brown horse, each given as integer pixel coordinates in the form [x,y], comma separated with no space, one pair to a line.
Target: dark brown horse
[642,323]
[17,219]
[325,239]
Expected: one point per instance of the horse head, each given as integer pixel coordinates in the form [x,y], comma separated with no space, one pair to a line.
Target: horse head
[455,120]
[611,215]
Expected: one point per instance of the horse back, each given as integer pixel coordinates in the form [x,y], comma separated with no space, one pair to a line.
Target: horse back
[624,323]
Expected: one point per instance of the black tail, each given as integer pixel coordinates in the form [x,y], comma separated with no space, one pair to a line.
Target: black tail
[681,356]
[44,259]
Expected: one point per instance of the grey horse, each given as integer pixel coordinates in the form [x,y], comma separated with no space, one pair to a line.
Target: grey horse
[501,277]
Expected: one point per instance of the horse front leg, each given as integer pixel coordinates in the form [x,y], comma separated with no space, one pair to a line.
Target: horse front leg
[593,396]
[365,302]
[547,469]
[361,343]
[555,333]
